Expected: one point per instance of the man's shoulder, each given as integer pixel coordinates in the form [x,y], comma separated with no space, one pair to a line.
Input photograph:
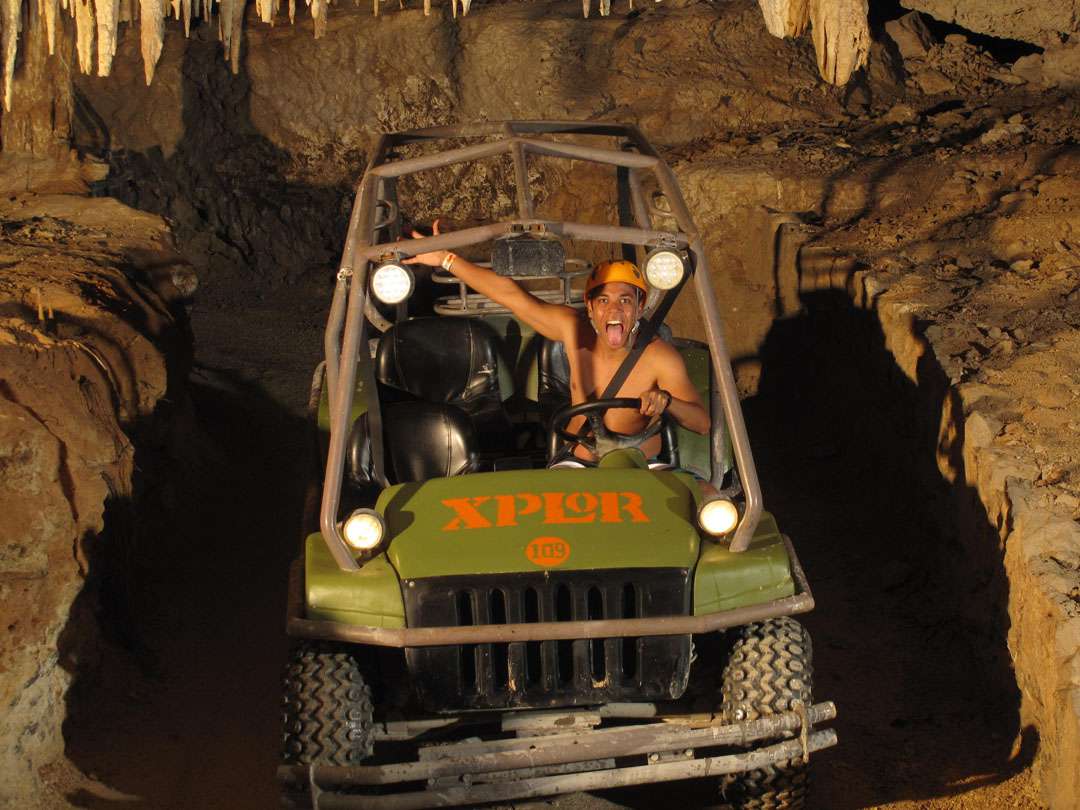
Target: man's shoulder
[661,349]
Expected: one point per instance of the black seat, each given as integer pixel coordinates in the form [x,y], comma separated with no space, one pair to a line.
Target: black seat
[553,377]
[441,389]
[446,360]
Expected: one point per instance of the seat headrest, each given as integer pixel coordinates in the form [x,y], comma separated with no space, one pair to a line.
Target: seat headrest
[452,360]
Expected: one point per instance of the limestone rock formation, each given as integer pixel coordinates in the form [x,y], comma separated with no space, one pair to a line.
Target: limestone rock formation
[83,351]
[786,18]
[1037,21]
[841,37]
[910,34]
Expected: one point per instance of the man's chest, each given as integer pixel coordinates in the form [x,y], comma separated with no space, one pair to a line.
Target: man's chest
[590,375]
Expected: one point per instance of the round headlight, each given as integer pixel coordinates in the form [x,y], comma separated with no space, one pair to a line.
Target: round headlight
[364,530]
[392,283]
[718,516]
[664,269]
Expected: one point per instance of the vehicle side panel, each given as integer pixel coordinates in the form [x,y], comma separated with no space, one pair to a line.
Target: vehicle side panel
[724,580]
[370,596]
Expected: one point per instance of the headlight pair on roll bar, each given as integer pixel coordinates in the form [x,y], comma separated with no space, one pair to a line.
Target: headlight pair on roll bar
[364,530]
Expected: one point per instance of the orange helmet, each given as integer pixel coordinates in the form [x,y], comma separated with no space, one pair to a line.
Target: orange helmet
[621,270]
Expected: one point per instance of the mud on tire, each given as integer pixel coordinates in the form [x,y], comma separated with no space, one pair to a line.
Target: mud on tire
[769,666]
[327,708]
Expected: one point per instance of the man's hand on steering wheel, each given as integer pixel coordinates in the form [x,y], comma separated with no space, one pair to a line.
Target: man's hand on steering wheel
[655,402]
[602,440]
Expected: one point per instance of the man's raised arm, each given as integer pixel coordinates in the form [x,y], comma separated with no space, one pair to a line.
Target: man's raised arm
[553,321]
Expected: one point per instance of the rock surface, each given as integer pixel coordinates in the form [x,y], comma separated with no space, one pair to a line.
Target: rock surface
[1032,21]
[82,347]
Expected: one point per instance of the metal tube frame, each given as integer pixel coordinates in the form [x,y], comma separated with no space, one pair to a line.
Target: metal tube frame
[524,768]
[559,749]
[343,347]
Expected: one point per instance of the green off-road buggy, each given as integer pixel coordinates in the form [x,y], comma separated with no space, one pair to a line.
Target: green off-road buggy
[475,627]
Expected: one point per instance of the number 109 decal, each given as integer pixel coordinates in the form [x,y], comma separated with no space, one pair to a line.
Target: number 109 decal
[548,551]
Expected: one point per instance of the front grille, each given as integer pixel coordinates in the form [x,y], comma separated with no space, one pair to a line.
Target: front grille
[548,673]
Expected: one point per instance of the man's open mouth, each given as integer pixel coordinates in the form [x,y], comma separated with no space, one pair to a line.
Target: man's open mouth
[614,331]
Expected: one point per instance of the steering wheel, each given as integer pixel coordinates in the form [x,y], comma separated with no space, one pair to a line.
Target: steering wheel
[602,441]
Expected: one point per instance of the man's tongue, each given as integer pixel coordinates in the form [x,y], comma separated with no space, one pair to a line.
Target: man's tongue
[614,335]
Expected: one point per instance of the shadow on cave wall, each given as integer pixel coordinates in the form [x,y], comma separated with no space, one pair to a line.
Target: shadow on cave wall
[224,188]
[911,618]
[911,624]
[180,707]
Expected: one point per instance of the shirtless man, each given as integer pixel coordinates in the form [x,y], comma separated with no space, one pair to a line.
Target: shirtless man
[597,341]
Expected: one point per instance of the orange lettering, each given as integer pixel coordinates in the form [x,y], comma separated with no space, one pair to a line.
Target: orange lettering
[554,511]
[507,514]
[467,515]
[609,507]
[632,505]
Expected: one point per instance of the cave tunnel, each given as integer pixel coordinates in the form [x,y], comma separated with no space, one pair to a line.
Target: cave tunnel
[885,195]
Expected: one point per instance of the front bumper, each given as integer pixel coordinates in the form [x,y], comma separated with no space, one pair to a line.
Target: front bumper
[533,766]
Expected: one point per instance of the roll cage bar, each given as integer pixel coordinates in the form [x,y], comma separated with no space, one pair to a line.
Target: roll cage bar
[371,237]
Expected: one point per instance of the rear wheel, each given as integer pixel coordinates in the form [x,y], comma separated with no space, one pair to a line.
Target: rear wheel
[769,668]
[328,711]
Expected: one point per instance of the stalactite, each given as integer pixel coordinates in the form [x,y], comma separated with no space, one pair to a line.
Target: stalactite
[84,34]
[12,27]
[841,37]
[108,19]
[225,24]
[267,10]
[237,34]
[840,29]
[785,18]
[151,34]
[51,9]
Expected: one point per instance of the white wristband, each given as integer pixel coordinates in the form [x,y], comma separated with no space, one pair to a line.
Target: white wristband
[448,261]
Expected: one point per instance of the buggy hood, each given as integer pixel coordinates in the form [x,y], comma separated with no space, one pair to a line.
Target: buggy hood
[533,520]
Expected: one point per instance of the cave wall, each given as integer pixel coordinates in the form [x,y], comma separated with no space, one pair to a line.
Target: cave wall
[258,168]
[85,350]
[1035,21]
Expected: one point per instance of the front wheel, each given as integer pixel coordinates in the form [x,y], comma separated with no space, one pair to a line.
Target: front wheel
[769,668]
[328,710]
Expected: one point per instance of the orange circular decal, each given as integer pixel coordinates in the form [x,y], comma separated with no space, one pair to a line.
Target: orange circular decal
[548,551]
